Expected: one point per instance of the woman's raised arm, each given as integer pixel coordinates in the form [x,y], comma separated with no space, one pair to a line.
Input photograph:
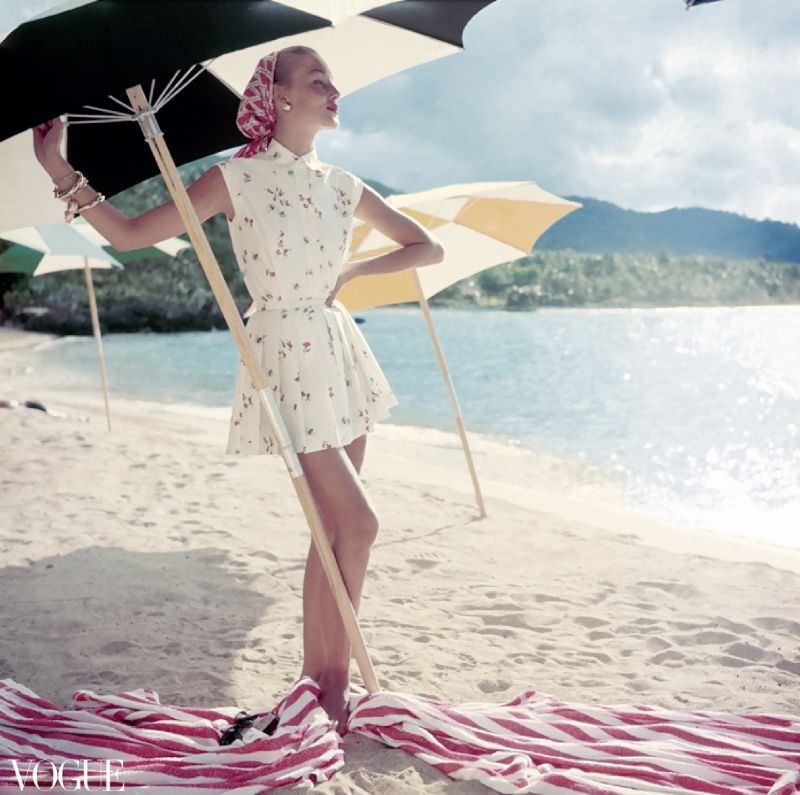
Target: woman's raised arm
[208,194]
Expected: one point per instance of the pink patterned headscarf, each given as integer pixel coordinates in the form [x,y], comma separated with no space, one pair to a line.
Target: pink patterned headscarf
[257,115]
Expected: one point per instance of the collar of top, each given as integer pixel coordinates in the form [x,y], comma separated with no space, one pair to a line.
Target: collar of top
[276,152]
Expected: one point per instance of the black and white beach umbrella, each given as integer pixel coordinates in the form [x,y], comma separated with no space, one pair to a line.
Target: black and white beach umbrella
[194,58]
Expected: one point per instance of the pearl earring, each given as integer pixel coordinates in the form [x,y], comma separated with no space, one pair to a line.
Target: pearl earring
[286,106]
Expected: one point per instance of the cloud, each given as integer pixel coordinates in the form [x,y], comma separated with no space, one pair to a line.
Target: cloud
[640,103]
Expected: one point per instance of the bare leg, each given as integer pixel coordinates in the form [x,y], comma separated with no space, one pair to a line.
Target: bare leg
[315,651]
[348,515]
[316,591]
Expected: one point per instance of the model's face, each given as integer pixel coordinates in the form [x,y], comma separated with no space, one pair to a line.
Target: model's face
[313,96]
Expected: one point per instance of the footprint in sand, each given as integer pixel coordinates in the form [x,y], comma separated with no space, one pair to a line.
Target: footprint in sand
[793,667]
[401,600]
[734,626]
[595,655]
[213,557]
[590,622]
[546,597]
[671,658]
[467,659]
[425,560]
[704,638]
[107,677]
[672,587]
[480,607]
[780,624]
[657,644]
[503,633]
[604,594]
[506,620]
[521,657]
[118,647]
[731,662]
[493,685]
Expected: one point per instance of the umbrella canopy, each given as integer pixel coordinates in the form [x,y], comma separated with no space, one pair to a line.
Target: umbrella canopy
[218,43]
[35,262]
[52,247]
[56,247]
[170,247]
[480,224]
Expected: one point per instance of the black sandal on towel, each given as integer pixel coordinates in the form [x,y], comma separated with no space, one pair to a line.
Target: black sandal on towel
[266,722]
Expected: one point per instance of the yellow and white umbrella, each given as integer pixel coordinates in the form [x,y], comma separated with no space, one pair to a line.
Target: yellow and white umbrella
[480,224]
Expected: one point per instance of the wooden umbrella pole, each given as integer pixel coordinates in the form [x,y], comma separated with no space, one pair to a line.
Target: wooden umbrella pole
[451,393]
[230,312]
[97,337]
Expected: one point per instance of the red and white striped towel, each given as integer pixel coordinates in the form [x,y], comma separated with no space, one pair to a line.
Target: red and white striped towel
[536,743]
[168,749]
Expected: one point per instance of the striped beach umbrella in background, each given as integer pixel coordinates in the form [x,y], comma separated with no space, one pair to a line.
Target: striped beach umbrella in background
[480,224]
[48,248]
[170,247]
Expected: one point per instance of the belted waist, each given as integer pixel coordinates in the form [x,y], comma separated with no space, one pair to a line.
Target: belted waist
[266,306]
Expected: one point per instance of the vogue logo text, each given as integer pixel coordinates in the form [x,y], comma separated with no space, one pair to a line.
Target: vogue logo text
[72,775]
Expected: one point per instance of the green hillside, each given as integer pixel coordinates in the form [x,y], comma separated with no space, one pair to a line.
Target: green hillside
[599,255]
[600,226]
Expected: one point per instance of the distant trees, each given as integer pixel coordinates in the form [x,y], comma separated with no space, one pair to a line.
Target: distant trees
[571,278]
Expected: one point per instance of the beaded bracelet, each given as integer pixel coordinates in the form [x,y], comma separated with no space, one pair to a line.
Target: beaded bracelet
[58,181]
[73,210]
[76,186]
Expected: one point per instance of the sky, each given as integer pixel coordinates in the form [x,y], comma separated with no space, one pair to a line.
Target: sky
[637,102]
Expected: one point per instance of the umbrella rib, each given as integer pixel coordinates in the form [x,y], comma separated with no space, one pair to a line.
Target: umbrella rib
[167,87]
[124,104]
[105,111]
[96,119]
[180,85]
[108,115]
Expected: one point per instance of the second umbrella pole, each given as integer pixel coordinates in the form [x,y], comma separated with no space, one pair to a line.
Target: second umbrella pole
[451,394]
[96,331]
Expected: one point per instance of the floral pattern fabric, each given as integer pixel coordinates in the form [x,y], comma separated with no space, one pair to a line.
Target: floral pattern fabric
[291,234]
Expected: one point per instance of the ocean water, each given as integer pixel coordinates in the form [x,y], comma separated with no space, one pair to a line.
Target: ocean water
[695,410]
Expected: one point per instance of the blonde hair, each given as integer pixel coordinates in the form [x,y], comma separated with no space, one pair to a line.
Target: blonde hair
[288,60]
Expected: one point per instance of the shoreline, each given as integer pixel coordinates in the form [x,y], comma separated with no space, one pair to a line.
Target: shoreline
[598,503]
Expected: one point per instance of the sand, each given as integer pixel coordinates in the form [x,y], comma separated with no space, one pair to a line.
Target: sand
[144,557]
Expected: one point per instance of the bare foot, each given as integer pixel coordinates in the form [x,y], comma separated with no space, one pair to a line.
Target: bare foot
[334,686]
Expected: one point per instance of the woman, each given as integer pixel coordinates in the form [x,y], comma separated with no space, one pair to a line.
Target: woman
[290,218]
